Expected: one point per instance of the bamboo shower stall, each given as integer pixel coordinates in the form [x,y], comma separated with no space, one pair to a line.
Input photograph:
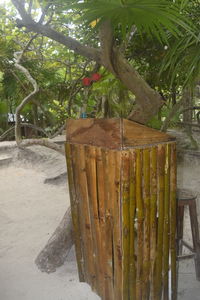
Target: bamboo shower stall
[122,182]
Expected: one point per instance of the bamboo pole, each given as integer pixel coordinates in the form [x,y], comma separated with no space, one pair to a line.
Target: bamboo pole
[132,207]
[111,218]
[94,214]
[109,292]
[140,221]
[125,222]
[102,218]
[74,209]
[85,217]
[166,224]
[153,217]
[159,259]
[117,231]
[146,247]
[173,209]
[78,184]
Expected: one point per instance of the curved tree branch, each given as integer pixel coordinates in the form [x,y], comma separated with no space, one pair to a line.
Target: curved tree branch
[148,101]
[107,43]
[26,100]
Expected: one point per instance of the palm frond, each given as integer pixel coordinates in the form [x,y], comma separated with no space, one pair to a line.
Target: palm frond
[151,17]
[183,60]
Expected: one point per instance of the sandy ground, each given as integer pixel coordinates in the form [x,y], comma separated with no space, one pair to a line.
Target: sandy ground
[30,211]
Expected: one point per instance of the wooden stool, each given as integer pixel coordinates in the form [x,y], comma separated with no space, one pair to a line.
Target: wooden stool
[187,198]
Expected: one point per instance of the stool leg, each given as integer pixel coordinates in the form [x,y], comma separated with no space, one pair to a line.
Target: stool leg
[195,237]
[180,222]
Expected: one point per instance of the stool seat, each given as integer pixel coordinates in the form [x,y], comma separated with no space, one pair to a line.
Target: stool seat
[187,197]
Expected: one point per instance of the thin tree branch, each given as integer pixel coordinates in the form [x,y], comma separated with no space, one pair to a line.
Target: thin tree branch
[60,129]
[172,113]
[44,12]
[30,7]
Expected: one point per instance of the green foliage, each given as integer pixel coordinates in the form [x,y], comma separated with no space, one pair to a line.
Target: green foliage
[59,72]
[152,17]
[155,123]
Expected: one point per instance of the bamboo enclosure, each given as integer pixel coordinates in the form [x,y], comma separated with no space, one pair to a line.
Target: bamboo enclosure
[122,182]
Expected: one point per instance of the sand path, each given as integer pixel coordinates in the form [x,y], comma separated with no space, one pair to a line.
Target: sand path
[29,212]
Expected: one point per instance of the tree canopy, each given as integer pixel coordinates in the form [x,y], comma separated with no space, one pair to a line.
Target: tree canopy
[139,48]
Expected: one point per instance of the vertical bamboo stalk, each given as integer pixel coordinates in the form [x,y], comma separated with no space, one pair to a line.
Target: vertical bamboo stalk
[117,232]
[111,219]
[173,208]
[93,206]
[153,218]
[159,264]
[85,217]
[74,209]
[132,207]
[81,214]
[125,222]
[140,221]
[102,218]
[109,293]
[166,223]
[146,247]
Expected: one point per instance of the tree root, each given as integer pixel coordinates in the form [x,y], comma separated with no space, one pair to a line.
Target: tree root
[58,246]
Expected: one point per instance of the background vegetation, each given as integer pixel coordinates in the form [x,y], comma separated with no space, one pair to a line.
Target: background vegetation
[164,52]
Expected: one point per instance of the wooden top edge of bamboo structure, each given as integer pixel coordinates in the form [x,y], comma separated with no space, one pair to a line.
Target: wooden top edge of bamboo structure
[114,133]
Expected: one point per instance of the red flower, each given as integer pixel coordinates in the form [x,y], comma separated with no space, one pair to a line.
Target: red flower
[86,81]
[96,77]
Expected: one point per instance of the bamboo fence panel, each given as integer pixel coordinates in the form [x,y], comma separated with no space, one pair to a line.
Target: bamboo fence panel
[124,217]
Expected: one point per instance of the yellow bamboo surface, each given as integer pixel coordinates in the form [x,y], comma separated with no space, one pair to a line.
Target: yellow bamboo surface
[173,209]
[153,219]
[124,217]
